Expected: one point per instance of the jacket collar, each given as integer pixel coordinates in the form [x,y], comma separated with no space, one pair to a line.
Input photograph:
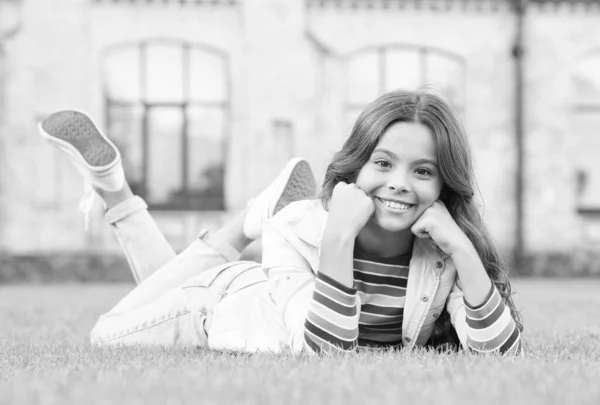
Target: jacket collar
[310,229]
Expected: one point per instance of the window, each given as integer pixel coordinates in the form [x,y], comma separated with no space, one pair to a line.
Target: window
[167,108]
[374,71]
[586,131]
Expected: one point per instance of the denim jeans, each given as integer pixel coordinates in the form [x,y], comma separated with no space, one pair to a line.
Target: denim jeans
[172,303]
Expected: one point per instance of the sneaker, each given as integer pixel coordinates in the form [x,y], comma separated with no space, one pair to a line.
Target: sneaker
[295,182]
[92,153]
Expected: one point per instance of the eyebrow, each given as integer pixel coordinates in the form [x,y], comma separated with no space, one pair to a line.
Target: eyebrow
[430,161]
[418,161]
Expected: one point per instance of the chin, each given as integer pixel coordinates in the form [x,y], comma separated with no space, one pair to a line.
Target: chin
[393,226]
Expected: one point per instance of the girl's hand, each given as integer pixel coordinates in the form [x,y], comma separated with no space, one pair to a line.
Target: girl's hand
[349,209]
[437,224]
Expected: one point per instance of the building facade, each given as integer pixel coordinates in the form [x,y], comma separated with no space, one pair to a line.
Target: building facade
[208,99]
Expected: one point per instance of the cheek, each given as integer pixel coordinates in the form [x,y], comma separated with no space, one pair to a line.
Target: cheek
[430,192]
[365,180]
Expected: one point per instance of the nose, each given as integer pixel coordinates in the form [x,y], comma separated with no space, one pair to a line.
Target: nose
[398,182]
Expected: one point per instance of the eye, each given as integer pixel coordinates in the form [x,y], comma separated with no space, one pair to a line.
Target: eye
[423,172]
[383,163]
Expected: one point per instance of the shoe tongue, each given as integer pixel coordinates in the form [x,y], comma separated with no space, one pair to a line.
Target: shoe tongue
[86,203]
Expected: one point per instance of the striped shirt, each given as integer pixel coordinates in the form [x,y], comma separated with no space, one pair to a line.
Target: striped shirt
[334,323]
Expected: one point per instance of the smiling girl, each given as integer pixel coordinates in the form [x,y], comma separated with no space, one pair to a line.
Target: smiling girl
[393,254]
[397,247]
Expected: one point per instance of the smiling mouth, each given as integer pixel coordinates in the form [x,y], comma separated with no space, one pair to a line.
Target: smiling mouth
[395,205]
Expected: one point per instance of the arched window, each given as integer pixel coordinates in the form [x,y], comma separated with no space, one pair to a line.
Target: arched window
[586,130]
[374,71]
[167,108]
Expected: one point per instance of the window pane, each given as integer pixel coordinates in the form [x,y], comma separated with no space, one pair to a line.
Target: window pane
[164,73]
[403,69]
[207,77]
[206,122]
[122,74]
[206,133]
[446,75]
[363,78]
[125,130]
[165,162]
[586,129]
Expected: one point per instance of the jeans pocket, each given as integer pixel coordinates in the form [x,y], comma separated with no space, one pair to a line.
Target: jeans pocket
[220,276]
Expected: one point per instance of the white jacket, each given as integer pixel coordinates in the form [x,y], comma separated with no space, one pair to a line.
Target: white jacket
[270,316]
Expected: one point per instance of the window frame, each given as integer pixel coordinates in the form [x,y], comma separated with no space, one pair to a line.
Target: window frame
[423,52]
[183,105]
[584,108]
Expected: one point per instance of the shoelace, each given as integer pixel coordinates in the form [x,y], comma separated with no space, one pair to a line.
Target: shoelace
[86,203]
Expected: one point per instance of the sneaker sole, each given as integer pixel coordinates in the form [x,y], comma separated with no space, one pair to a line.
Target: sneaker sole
[301,185]
[77,130]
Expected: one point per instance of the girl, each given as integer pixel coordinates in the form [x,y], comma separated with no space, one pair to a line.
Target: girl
[393,254]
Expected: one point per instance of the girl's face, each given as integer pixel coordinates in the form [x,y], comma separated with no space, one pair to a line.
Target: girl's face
[401,176]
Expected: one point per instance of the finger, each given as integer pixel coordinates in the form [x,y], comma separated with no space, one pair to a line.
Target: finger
[441,208]
[424,235]
[421,228]
[432,204]
[372,206]
[441,204]
[356,187]
[340,185]
[417,228]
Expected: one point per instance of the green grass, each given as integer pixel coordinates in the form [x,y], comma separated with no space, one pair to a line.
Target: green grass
[45,358]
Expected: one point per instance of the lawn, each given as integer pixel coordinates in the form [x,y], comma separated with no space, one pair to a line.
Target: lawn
[45,358]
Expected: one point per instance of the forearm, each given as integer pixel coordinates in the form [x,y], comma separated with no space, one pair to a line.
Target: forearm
[337,251]
[489,324]
[474,280]
[332,321]
[491,328]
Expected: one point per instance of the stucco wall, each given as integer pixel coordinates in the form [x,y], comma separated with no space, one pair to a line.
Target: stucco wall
[287,95]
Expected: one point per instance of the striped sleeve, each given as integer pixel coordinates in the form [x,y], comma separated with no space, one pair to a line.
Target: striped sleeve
[331,324]
[491,328]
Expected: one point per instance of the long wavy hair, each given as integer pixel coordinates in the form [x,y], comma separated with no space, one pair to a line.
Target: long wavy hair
[456,169]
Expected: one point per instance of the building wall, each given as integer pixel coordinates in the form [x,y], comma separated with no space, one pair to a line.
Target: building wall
[287,92]
[488,90]
[557,39]
[54,63]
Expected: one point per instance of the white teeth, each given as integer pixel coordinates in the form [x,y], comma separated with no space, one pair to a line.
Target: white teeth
[395,205]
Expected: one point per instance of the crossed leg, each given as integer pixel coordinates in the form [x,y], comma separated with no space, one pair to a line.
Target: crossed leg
[159,311]
[169,306]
